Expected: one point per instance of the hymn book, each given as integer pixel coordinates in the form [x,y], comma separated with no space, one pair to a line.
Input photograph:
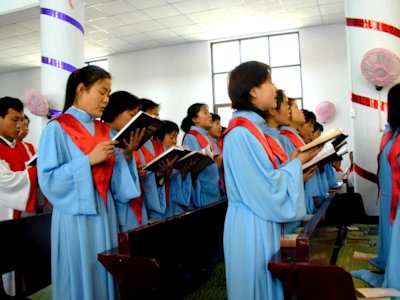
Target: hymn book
[331,134]
[140,120]
[203,158]
[326,152]
[378,292]
[169,154]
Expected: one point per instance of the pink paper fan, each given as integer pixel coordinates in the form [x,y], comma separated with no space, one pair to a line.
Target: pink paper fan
[381,67]
[36,102]
[325,111]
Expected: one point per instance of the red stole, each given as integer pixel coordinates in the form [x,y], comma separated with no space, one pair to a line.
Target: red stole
[293,138]
[276,149]
[136,203]
[102,172]
[241,121]
[16,158]
[148,156]
[202,140]
[392,157]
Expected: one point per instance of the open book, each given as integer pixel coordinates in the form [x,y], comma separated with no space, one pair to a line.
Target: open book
[378,292]
[32,161]
[203,158]
[169,154]
[326,152]
[329,135]
[140,120]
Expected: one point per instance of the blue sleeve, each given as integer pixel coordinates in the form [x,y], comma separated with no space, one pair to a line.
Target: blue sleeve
[275,195]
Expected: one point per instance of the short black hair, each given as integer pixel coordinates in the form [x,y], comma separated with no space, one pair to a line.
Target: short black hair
[394,107]
[309,116]
[167,128]
[119,102]
[10,102]
[147,104]
[242,79]
[215,117]
[318,126]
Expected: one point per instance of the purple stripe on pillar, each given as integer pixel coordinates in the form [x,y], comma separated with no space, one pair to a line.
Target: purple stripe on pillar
[62,16]
[58,64]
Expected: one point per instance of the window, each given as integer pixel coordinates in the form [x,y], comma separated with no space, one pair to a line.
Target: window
[281,52]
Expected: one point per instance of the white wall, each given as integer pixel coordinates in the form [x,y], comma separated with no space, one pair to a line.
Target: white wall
[325,74]
[178,76]
[175,77]
[13,85]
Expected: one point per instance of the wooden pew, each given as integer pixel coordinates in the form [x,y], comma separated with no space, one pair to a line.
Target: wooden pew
[169,259]
[26,249]
[308,270]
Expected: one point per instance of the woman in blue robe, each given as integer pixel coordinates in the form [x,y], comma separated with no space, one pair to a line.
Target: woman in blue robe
[84,221]
[276,117]
[121,108]
[388,172]
[180,186]
[260,197]
[196,125]
[392,275]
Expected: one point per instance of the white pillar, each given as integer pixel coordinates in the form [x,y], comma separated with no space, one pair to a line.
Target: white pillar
[62,46]
[370,24]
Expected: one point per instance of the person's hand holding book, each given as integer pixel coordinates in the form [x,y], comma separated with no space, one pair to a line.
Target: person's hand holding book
[165,167]
[305,156]
[309,173]
[134,140]
[101,152]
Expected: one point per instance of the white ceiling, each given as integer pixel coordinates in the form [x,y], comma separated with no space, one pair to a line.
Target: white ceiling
[117,26]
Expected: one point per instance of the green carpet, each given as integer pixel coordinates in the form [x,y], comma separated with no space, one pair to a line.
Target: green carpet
[43,294]
[214,288]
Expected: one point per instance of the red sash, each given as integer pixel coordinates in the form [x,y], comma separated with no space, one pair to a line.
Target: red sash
[241,121]
[202,140]
[392,157]
[276,149]
[148,156]
[293,138]
[16,158]
[102,172]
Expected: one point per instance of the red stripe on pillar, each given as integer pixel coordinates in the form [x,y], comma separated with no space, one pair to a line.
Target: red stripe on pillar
[374,25]
[372,103]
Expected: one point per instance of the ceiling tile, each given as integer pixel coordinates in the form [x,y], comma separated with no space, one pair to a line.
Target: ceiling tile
[148,26]
[92,13]
[161,11]
[123,30]
[160,34]
[176,21]
[149,44]
[192,6]
[333,19]
[133,17]
[105,23]
[142,4]
[116,7]
[331,9]
[137,37]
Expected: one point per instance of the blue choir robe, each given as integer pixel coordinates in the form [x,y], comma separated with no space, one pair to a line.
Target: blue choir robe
[180,192]
[392,275]
[289,227]
[82,226]
[155,196]
[311,189]
[260,199]
[222,189]
[385,199]
[127,220]
[206,186]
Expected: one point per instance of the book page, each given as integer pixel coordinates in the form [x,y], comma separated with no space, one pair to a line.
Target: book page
[330,134]
[326,151]
[378,292]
